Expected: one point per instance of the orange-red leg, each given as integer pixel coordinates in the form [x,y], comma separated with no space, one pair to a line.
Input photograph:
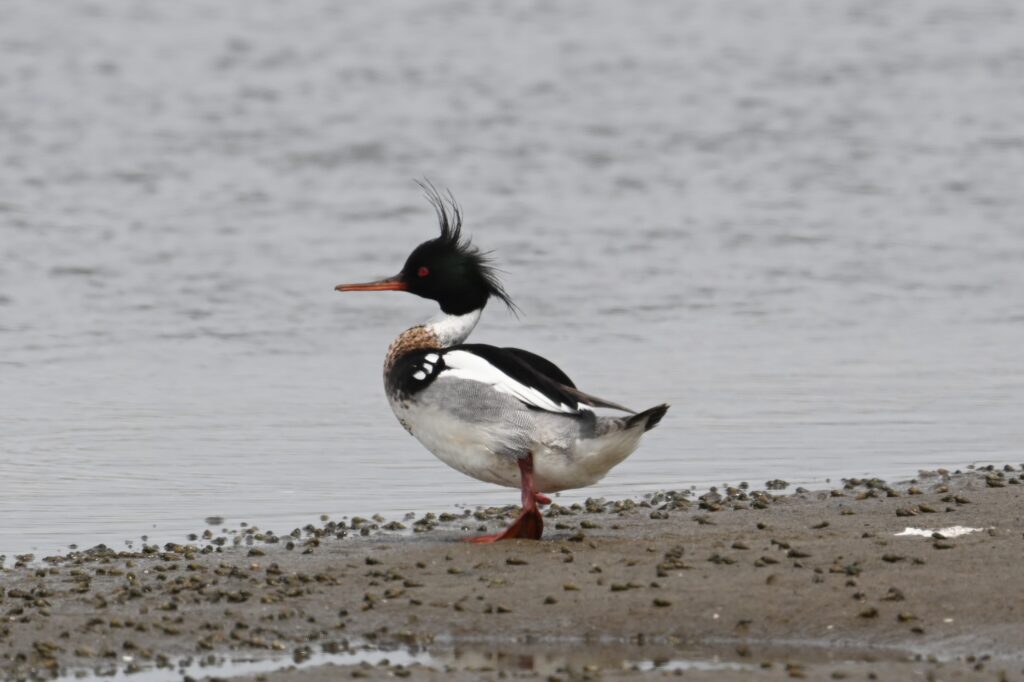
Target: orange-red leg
[530,524]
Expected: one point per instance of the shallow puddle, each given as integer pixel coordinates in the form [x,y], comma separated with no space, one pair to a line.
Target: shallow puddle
[546,658]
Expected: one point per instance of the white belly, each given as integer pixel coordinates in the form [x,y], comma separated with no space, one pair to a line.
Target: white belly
[474,449]
[468,448]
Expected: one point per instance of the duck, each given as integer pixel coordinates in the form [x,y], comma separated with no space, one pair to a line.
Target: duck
[501,415]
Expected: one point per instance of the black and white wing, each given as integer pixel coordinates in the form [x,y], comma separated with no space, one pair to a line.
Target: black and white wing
[533,380]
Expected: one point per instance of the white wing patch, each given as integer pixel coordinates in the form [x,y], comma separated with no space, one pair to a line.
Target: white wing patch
[462,364]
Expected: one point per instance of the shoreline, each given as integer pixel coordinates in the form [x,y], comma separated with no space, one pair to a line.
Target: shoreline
[767,584]
[131,537]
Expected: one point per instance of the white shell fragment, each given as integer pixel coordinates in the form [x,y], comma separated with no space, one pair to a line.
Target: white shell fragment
[949,532]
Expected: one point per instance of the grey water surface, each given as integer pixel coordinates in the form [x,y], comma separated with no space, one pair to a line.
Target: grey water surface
[800,223]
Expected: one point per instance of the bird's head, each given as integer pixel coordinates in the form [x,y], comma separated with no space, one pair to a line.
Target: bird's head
[447,269]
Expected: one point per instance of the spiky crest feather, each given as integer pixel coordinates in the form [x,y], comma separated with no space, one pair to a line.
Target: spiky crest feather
[449,218]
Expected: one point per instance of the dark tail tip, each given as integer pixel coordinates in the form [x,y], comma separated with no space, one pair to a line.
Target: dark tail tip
[649,418]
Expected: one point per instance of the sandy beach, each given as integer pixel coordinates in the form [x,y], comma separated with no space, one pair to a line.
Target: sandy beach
[745,584]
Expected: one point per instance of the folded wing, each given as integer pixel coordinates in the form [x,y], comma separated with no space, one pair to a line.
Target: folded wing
[532,379]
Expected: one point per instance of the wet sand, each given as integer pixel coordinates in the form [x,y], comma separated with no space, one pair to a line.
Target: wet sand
[737,584]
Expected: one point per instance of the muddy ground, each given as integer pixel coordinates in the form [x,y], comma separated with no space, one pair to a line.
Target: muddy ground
[737,584]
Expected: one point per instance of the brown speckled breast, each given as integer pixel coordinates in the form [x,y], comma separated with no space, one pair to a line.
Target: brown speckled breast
[417,338]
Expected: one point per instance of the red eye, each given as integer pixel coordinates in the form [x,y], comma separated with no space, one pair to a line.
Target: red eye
[423,271]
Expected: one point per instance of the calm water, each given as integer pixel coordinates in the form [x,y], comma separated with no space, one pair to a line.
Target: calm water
[800,223]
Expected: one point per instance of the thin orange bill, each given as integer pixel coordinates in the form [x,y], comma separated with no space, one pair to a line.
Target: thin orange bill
[395,283]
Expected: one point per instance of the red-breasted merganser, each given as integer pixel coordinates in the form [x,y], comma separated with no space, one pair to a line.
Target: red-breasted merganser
[501,415]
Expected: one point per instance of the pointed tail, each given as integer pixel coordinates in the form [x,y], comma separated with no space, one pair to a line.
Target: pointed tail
[649,418]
